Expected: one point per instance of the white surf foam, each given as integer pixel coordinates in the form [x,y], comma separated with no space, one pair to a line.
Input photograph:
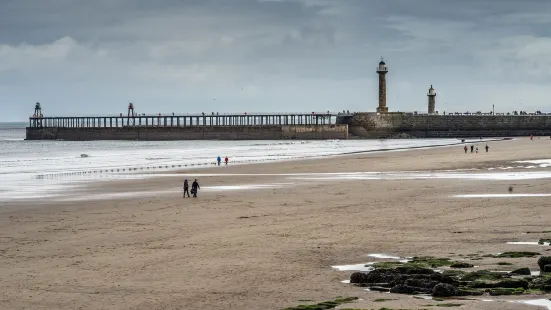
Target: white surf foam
[36,163]
[500,195]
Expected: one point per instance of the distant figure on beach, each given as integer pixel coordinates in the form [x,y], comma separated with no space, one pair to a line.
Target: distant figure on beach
[487,147]
[218,160]
[465,148]
[226,160]
[477,148]
[186,188]
[194,188]
[532,138]
[472,148]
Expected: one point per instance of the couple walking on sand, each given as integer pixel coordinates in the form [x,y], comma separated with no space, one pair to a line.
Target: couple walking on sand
[218,160]
[194,187]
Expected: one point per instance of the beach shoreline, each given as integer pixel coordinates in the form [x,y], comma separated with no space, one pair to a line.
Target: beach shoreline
[268,248]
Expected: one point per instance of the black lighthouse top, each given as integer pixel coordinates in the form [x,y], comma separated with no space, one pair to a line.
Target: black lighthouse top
[382,67]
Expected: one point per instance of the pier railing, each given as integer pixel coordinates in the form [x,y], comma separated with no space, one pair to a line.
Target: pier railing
[173,120]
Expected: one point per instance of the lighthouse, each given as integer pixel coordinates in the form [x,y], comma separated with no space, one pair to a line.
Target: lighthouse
[432,100]
[130,115]
[382,70]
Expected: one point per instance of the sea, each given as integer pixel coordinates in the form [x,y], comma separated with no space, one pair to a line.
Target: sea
[42,169]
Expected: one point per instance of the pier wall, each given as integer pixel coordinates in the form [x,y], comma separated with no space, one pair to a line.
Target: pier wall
[371,125]
[271,132]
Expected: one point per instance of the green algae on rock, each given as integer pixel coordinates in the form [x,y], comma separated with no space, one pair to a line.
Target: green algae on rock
[324,305]
[517,254]
[461,265]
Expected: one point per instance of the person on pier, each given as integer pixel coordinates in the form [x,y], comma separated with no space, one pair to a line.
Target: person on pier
[194,187]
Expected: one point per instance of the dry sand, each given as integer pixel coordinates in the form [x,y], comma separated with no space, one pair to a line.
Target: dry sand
[268,248]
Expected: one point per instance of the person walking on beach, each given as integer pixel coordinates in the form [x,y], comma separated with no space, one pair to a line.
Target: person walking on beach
[194,188]
[487,147]
[226,160]
[186,188]
[218,160]
[472,148]
[477,148]
[465,148]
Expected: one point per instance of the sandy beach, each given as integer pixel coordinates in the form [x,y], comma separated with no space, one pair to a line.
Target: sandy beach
[273,247]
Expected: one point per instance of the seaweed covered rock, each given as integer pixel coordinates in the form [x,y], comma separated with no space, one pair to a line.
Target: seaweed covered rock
[505,291]
[358,277]
[537,283]
[403,289]
[461,265]
[542,261]
[516,254]
[482,275]
[507,283]
[445,290]
[521,272]
[413,270]
[425,283]
[402,280]
[512,283]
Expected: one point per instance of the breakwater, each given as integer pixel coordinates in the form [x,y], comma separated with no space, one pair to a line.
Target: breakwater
[314,126]
[397,125]
[190,127]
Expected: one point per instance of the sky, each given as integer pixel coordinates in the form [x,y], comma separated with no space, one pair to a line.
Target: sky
[191,56]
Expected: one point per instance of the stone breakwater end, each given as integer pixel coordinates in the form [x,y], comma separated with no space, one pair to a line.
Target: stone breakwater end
[408,125]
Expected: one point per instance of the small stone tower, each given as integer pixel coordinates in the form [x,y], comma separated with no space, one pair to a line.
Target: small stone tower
[382,70]
[432,100]
[37,110]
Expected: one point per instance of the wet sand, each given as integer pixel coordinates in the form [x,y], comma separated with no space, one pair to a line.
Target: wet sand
[267,248]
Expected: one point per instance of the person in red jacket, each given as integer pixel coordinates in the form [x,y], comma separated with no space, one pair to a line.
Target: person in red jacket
[226,160]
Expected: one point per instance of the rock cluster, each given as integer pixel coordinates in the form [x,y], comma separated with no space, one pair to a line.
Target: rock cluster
[418,280]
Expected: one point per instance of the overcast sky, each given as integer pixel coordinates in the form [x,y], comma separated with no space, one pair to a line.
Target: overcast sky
[93,57]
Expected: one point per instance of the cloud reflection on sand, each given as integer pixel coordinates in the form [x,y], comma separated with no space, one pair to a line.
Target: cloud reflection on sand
[174,191]
[296,178]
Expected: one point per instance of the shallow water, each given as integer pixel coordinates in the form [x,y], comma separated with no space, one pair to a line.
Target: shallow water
[26,166]
[383,256]
[537,302]
[542,163]
[174,191]
[500,195]
[528,243]
[355,267]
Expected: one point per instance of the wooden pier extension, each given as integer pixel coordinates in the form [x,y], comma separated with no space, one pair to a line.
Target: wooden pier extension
[187,127]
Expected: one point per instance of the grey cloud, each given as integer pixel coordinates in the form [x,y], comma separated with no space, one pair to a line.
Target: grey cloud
[289,53]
